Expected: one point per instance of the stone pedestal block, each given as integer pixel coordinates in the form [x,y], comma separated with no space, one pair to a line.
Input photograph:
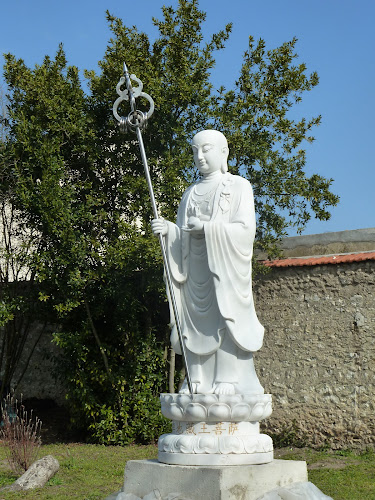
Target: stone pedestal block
[247,482]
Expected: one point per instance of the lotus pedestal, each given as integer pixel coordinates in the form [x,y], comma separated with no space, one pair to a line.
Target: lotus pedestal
[209,429]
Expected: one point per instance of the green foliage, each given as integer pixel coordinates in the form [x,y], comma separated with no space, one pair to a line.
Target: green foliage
[79,186]
[125,407]
[290,435]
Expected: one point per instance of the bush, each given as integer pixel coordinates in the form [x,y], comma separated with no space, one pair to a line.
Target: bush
[289,435]
[122,410]
[20,434]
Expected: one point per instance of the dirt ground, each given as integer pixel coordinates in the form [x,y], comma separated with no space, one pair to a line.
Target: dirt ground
[317,459]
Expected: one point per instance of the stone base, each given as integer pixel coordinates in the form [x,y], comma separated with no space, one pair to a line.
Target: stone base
[215,458]
[247,482]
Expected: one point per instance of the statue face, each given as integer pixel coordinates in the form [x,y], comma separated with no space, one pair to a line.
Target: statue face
[209,151]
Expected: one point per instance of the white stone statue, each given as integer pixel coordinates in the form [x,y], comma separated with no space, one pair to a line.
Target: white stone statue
[209,251]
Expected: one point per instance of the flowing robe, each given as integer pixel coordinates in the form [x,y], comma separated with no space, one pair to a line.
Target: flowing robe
[212,272]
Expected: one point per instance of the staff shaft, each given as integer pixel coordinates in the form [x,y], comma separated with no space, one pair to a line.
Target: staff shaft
[165,258]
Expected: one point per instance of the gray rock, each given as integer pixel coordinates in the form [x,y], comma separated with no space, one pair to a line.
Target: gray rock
[127,496]
[176,496]
[297,491]
[37,474]
[154,495]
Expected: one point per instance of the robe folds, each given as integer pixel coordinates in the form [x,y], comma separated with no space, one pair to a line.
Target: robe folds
[211,272]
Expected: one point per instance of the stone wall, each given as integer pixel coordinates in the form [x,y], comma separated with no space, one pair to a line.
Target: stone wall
[40,380]
[318,358]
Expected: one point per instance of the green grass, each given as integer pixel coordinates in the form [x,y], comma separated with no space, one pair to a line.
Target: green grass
[87,472]
[91,472]
[341,475]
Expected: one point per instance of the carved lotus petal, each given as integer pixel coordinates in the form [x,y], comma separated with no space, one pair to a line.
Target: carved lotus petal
[183,400]
[206,399]
[265,442]
[167,442]
[161,442]
[165,409]
[231,444]
[195,411]
[173,412]
[241,412]
[230,399]
[267,410]
[257,412]
[253,399]
[207,444]
[184,444]
[219,412]
[166,398]
[251,444]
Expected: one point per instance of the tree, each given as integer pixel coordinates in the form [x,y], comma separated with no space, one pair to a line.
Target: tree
[80,186]
[74,201]
[20,311]
[267,144]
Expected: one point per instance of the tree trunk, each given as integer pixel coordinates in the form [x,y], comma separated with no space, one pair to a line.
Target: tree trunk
[172,366]
[95,333]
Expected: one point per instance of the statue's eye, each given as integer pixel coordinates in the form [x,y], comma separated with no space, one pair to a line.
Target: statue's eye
[206,148]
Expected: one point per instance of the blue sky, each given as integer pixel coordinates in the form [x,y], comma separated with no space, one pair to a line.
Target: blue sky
[336,39]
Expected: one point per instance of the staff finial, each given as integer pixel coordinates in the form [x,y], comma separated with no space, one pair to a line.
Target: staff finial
[136,118]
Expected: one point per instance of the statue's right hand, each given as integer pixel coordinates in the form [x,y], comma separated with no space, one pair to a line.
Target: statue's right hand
[159,226]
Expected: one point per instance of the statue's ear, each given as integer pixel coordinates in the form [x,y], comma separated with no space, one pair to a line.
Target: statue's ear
[224,162]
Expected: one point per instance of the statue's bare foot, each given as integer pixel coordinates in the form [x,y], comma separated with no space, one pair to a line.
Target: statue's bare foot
[224,388]
[185,388]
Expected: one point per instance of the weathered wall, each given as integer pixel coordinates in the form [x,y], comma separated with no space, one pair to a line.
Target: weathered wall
[318,358]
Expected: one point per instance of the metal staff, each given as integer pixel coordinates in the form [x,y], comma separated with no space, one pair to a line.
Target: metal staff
[135,121]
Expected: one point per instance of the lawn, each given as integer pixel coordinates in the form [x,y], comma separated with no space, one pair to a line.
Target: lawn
[91,472]
[343,475]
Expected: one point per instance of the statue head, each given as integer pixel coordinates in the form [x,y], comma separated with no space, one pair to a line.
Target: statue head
[210,149]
